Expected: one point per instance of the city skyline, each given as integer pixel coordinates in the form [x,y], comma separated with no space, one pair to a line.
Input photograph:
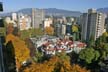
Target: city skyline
[72,5]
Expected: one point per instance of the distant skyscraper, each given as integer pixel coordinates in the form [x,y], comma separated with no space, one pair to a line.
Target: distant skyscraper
[83,21]
[69,28]
[48,22]
[37,17]
[92,24]
[63,29]
[58,29]
[14,16]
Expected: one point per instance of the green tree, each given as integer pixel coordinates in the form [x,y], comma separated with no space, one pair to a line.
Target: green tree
[31,33]
[106,47]
[63,56]
[36,32]
[24,34]
[89,55]
[91,41]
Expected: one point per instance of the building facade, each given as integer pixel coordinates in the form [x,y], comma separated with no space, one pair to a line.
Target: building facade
[63,29]
[83,21]
[58,29]
[68,28]
[47,22]
[92,24]
[14,16]
[24,21]
[38,16]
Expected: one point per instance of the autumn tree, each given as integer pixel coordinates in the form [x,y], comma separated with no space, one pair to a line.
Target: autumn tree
[49,30]
[9,55]
[75,31]
[74,28]
[55,64]
[104,37]
[20,48]
[10,28]
[77,68]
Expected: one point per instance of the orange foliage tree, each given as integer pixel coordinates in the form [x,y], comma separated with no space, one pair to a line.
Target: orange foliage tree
[10,28]
[49,30]
[55,64]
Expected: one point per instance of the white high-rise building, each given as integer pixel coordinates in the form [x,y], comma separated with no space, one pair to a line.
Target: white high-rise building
[63,29]
[14,16]
[24,21]
[48,22]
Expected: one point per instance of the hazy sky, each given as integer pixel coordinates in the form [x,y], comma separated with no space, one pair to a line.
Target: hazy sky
[74,5]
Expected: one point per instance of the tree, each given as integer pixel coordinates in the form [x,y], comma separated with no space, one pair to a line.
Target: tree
[104,37]
[10,28]
[24,34]
[106,47]
[77,68]
[37,32]
[31,47]
[105,34]
[104,51]
[75,28]
[75,31]
[21,50]
[49,30]
[55,64]
[91,41]
[31,33]
[89,55]
[98,42]
[10,57]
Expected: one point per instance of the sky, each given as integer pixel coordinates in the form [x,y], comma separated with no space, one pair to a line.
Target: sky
[73,5]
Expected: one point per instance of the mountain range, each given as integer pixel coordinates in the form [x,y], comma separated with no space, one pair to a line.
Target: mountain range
[48,12]
[54,12]
[61,12]
[103,10]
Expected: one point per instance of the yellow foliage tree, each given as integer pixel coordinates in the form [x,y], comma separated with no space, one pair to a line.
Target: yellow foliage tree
[74,28]
[105,34]
[21,50]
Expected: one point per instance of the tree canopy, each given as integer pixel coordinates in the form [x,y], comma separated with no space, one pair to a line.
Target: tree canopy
[75,28]
[55,64]
[49,30]
[89,55]
[21,50]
